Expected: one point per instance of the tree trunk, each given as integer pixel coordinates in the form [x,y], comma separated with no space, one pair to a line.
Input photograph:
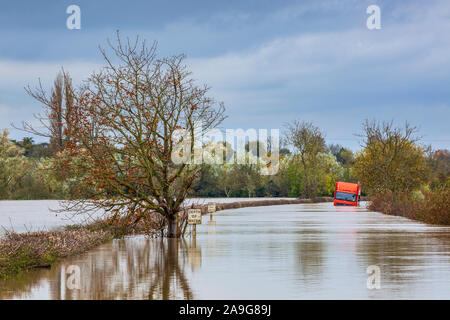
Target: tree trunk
[172,225]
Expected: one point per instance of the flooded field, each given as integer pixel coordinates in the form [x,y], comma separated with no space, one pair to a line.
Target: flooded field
[300,251]
[38,215]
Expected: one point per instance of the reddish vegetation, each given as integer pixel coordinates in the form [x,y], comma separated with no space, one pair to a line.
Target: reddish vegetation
[433,207]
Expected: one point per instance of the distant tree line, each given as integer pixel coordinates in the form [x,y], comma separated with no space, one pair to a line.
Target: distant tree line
[307,169]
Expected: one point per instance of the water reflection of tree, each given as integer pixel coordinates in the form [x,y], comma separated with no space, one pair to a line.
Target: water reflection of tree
[310,252]
[134,268]
[137,269]
[168,269]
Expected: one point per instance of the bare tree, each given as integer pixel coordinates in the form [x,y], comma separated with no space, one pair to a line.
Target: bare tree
[124,125]
[57,109]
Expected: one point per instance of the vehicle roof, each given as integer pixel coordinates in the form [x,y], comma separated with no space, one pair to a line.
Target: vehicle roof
[347,186]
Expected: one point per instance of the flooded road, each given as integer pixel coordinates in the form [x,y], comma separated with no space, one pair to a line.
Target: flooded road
[43,215]
[300,251]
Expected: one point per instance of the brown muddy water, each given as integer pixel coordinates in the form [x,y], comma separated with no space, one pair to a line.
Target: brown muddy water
[300,251]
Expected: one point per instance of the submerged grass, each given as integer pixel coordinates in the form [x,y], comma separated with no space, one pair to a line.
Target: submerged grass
[23,251]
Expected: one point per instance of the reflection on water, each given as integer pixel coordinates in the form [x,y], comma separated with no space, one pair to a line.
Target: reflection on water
[137,268]
[277,252]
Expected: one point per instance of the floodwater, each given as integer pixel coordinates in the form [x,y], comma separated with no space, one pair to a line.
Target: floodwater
[43,215]
[300,251]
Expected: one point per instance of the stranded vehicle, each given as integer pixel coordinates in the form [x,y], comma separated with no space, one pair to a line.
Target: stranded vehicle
[346,194]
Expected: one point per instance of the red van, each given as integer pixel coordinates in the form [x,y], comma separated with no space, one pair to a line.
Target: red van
[346,194]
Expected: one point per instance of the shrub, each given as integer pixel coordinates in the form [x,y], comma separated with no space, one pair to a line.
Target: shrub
[430,206]
[436,207]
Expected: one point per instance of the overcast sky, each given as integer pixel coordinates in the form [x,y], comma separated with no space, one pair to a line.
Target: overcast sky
[269,61]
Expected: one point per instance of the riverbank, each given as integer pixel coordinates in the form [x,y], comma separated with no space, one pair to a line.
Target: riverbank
[20,252]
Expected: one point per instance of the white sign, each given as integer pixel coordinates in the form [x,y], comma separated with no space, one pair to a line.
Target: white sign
[194,216]
[211,207]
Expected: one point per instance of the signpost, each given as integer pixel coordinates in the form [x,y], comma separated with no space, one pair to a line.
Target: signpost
[211,207]
[194,218]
